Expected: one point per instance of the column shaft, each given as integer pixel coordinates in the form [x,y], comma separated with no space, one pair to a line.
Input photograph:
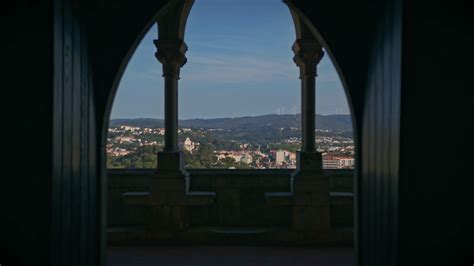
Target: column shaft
[171,55]
[171,113]
[308,53]
[308,113]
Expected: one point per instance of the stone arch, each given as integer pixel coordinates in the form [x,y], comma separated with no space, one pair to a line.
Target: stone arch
[173,18]
[158,12]
[182,7]
[305,29]
[173,27]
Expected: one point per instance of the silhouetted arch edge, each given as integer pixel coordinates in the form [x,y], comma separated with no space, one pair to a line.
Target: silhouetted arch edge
[304,28]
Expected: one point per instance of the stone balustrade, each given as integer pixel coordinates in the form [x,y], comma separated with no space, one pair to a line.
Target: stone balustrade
[259,206]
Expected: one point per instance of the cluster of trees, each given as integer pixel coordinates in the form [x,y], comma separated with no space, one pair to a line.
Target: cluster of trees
[146,157]
[205,158]
[292,147]
[215,140]
[142,157]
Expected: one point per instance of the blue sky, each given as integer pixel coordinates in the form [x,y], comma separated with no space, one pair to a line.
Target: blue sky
[239,64]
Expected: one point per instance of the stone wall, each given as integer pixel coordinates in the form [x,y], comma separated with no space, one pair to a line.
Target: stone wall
[122,181]
[225,200]
[240,197]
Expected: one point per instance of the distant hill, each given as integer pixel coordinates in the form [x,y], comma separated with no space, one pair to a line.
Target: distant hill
[250,123]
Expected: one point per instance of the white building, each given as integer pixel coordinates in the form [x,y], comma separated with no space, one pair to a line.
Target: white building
[336,162]
[188,145]
[279,157]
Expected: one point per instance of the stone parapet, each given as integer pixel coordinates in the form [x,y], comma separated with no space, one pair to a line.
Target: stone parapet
[292,208]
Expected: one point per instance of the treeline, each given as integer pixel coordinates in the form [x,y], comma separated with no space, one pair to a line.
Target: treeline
[146,157]
[269,122]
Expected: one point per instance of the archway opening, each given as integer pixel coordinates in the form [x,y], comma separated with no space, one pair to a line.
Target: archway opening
[239,86]
[225,207]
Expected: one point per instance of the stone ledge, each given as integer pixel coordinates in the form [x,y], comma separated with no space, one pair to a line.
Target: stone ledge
[279,198]
[136,198]
[341,194]
[191,198]
[200,198]
[213,172]
[201,193]
[231,236]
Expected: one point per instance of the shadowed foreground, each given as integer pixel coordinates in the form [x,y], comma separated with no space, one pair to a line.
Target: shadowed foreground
[212,255]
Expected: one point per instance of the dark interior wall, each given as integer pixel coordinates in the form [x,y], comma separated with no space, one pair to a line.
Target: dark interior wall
[436,184]
[49,210]
[436,108]
[25,183]
[349,29]
[436,120]
[380,140]
[75,225]
[115,30]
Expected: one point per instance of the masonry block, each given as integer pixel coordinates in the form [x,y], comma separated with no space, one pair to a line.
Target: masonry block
[179,219]
[306,183]
[166,184]
[170,161]
[158,197]
[342,215]
[309,161]
[278,199]
[311,218]
[168,190]
[277,215]
[175,198]
[159,217]
[137,215]
[228,197]
[200,200]
[199,215]
[283,183]
[227,182]
[165,217]
[303,198]
[320,198]
[228,207]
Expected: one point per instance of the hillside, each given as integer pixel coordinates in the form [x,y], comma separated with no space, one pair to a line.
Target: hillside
[250,123]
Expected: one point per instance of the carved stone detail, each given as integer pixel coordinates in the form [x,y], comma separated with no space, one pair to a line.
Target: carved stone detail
[308,54]
[171,54]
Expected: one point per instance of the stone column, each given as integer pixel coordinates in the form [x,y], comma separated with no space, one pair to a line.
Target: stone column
[308,53]
[171,55]
[311,201]
[168,188]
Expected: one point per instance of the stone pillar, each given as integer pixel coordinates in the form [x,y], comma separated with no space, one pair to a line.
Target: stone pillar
[171,55]
[168,187]
[308,53]
[311,206]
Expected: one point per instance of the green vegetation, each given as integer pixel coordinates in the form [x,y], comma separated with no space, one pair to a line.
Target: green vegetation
[204,159]
[130,147]
[142,157]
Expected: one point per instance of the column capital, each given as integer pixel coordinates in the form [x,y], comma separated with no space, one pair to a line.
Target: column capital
[170,53]
[308,54]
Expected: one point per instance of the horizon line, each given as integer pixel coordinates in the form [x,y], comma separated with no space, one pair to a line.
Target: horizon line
[223,117]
